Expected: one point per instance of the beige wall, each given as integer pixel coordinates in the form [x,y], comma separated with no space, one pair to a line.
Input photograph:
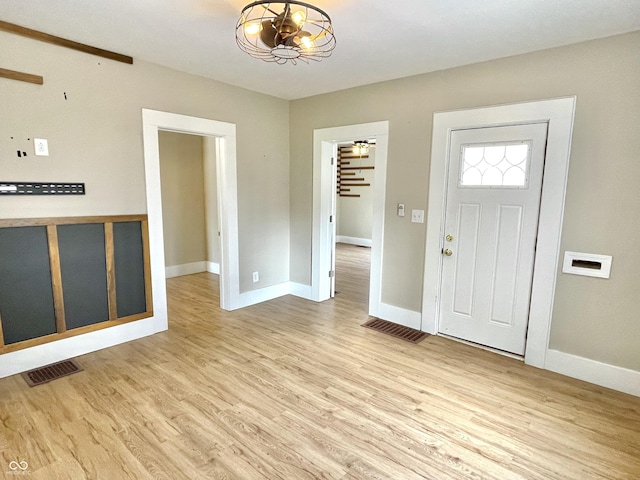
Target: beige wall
[593,318]
[355,214]
[95,136]
[183,204]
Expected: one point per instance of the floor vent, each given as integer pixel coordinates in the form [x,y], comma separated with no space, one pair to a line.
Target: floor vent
[395,330]
[51,372]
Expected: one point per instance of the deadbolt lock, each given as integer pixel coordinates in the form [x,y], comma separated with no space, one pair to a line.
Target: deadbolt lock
[449,238]
[447,252]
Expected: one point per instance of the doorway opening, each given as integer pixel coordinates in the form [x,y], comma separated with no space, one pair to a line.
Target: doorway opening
[189,203]
[325,170]
[355,181]
[224,135]
[559,115]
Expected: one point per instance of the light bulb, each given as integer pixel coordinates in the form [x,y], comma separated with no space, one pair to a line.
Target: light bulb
[298,17]
[306,42]
[252,28]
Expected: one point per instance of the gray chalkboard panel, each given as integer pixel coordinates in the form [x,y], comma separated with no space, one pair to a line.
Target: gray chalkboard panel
[26,294]
[129,263]
[84,274]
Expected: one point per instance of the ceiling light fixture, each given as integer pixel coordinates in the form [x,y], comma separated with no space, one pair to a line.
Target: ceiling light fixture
[284,32]
[361,147]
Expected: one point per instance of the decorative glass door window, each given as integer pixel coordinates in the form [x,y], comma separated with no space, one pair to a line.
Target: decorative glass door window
[495,165]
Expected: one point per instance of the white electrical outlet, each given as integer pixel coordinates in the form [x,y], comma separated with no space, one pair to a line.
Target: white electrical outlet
[417,216]
[256,277]
[41,147]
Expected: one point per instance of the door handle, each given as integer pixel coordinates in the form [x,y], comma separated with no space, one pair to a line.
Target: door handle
[447,252]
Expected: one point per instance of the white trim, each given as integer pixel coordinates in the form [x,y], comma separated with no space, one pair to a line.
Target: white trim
[610,376]
[35,357]
[361,242]
[264,294]
[191,268]
[398,315]
[299,290]
[275,291]
[559,114]
[225,134]
[321,243]
[185,269]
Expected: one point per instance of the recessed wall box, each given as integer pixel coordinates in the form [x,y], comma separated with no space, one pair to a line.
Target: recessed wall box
[588,264]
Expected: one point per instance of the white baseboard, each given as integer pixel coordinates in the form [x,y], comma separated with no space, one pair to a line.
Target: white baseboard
[48,353]
[264,294]
[618,378]
[275,291]
[185,269]
[398,315]
[299,290]
[362,242]
[191,268]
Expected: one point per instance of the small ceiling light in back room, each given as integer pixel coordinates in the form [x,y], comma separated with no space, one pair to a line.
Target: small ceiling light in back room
[284,32]
[361,147]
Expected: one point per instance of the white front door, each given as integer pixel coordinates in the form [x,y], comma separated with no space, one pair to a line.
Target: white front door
[491,223]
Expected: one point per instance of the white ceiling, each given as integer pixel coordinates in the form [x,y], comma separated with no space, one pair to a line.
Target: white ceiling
[377,40]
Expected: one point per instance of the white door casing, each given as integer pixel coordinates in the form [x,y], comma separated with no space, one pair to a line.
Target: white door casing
[334,220]
[225,134]
[491,220]
[559,113]
[324,141]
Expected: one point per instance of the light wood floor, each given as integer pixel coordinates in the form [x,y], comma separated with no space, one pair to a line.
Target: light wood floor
[294,390]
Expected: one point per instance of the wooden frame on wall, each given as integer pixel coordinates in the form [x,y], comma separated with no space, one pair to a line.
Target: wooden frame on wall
[51,225]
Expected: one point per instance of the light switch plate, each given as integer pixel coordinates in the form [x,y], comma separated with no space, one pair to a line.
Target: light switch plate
[41,147]
[417,216]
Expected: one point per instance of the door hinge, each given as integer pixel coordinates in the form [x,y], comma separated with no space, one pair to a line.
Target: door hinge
[332,160]
[330,218]
[332,273]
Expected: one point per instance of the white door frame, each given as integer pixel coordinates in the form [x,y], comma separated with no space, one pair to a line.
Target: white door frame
[559,113]
[333,227]
[323,140]
[225,134]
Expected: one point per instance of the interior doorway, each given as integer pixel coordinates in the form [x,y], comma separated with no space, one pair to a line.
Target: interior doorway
[189,203]
[324,202]
[225,145]
[355,181]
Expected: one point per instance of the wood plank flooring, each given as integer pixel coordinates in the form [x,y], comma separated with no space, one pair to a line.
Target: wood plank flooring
[295,390]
